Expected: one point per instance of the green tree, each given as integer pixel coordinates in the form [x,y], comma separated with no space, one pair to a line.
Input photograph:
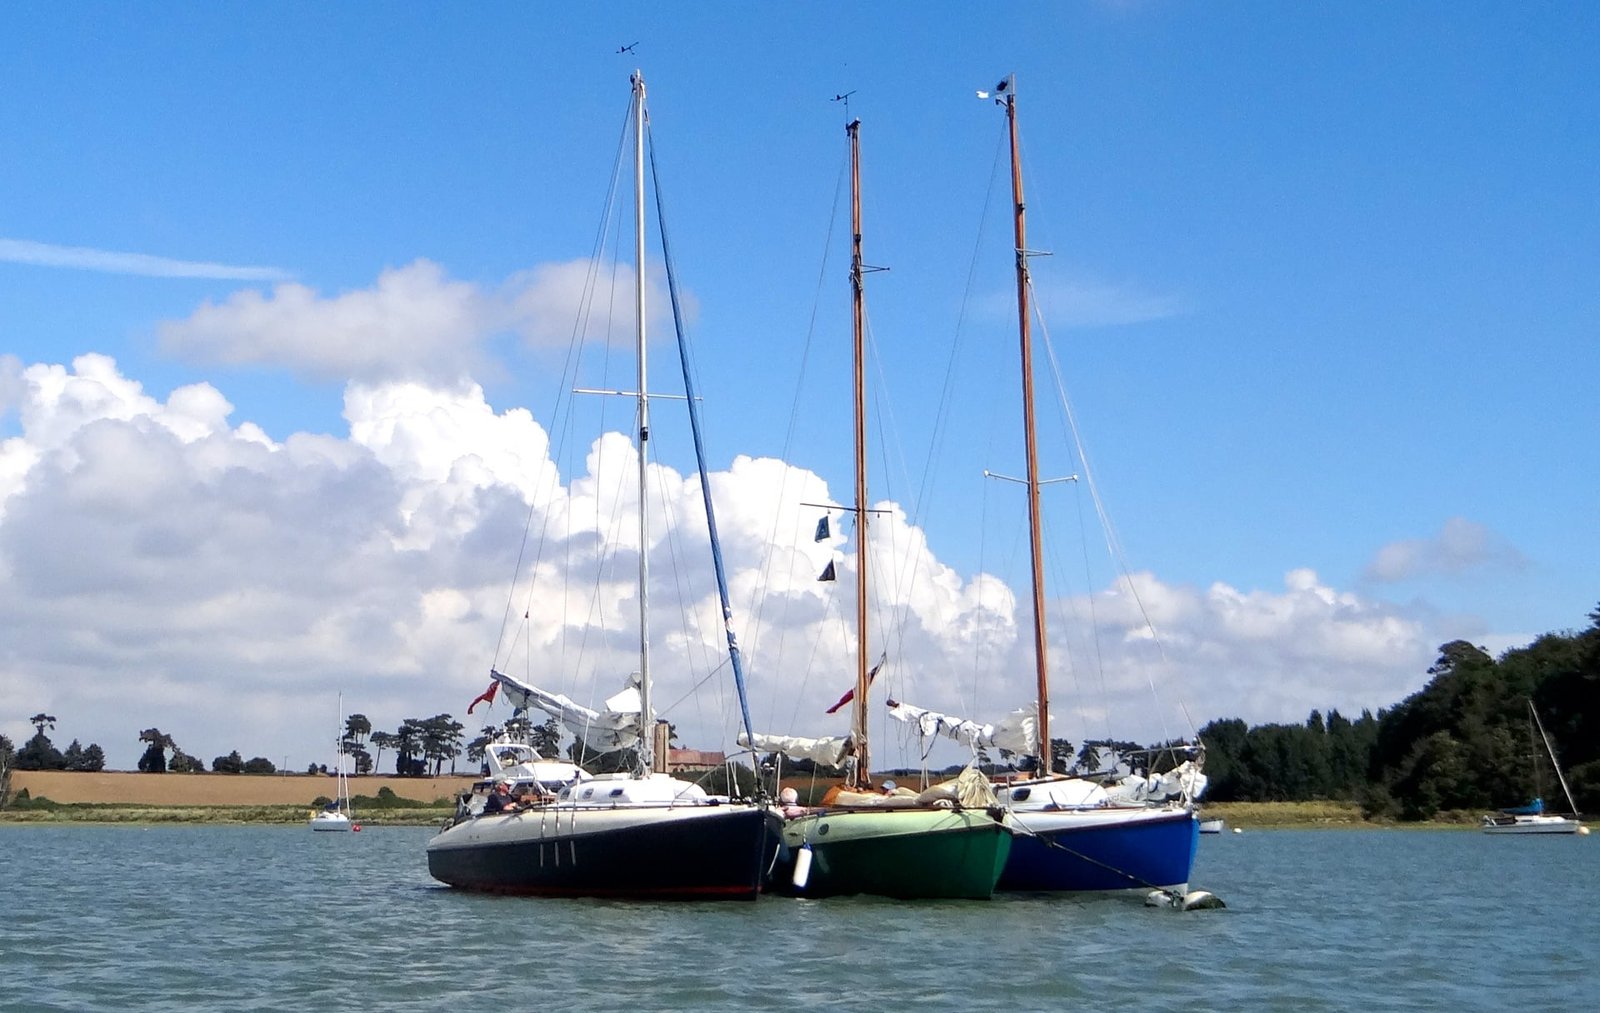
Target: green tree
[546,738]
[38,754]
[154,760]
[183,763]
[380,741]
[357,728]
[407,746]
[259,765]
[440,740]
[42,720]
[90,760]
[233,763]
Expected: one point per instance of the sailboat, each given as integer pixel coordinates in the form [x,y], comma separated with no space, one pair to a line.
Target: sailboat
[641,833]
[1071,833]
[1532,818]
[949,844]
[337,815]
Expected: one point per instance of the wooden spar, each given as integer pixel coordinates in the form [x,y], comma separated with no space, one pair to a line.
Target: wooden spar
[646,745]
[1040,643]
[861,773]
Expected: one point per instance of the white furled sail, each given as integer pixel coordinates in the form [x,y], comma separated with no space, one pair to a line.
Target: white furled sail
[1017,733]
[615,728]
[1185,783]
[830,751]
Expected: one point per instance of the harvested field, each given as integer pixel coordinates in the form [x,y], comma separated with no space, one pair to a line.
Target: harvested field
[110,787]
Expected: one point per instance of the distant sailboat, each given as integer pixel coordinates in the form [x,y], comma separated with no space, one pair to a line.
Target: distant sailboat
[876,842]
[1532,818]
[338,815]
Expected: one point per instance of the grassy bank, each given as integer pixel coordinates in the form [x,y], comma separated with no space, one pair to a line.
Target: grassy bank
[1311,815]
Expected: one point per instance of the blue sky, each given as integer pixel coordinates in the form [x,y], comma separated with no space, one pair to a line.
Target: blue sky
[1321,286]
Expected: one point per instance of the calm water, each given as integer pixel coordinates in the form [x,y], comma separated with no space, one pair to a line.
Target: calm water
[178,918]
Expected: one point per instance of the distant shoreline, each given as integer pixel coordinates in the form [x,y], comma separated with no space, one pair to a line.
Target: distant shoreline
[129,797]
[127,789]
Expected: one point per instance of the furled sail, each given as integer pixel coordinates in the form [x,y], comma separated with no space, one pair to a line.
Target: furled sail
[1017,733]
[607,731]
[830,751]
[1185,783]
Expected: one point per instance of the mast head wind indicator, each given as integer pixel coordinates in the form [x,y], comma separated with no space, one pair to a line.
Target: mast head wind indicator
[1000,92]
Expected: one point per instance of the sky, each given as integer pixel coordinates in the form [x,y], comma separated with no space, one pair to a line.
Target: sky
[287,294]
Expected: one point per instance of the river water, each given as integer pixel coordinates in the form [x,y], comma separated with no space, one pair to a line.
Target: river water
[278,918]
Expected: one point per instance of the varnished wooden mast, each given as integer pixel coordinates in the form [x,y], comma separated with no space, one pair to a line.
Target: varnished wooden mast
[1035,542]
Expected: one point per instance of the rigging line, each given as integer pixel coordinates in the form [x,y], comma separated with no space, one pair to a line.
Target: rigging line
[562,397]
[757,608]
[1113,543]
[695,688]
[937,440]
[1124,873]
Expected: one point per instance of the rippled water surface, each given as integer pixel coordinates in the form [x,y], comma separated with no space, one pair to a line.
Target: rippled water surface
[270,918]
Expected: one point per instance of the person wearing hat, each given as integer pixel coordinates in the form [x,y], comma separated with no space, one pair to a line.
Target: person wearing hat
[500,800]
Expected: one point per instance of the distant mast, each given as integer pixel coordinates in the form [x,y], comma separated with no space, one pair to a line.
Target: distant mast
[858,296]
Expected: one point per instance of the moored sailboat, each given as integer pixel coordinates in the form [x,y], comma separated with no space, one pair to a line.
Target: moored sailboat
[338,815]
[637,834]
[1071,833]
[1532,818]
[944,845]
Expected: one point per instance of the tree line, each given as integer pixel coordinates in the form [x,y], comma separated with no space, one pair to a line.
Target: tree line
[1465,741]
[1462,742]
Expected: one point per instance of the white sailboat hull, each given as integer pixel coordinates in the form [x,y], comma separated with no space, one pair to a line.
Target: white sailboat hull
[1540,824]
[334,822]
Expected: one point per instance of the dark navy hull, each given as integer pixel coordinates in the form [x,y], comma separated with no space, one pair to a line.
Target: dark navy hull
[1054,851]
[666,852]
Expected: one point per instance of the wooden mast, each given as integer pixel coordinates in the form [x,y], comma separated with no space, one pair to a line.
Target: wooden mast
[646,731]
[1040,643]
[861,774]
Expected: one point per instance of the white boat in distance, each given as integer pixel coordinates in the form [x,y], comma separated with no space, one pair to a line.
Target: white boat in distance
[336,816]
[1531,818]
[1212,826]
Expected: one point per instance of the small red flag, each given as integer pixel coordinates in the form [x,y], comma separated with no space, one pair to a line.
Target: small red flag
[849,694]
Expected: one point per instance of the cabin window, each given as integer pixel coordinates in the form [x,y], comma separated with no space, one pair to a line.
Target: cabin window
[1021,794]
[616,792]
[588,793]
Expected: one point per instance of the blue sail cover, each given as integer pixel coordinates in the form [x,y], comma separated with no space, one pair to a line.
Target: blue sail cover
[1533,808]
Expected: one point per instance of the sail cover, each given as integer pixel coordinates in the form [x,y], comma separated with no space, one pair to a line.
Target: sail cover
[829,751]
[1017,733]
[615,728]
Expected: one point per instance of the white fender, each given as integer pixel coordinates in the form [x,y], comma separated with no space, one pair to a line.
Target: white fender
[802,867]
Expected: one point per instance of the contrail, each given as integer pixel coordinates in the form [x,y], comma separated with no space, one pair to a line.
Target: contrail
[23,251]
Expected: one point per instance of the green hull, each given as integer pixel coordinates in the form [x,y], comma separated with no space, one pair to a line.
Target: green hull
[911,854]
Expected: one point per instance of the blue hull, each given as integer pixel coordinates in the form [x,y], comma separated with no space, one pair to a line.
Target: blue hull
[1061,854]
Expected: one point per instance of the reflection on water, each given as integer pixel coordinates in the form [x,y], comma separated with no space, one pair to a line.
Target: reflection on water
[185,917]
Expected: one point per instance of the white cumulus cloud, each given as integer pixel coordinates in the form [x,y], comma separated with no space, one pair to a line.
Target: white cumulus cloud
[164,564]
